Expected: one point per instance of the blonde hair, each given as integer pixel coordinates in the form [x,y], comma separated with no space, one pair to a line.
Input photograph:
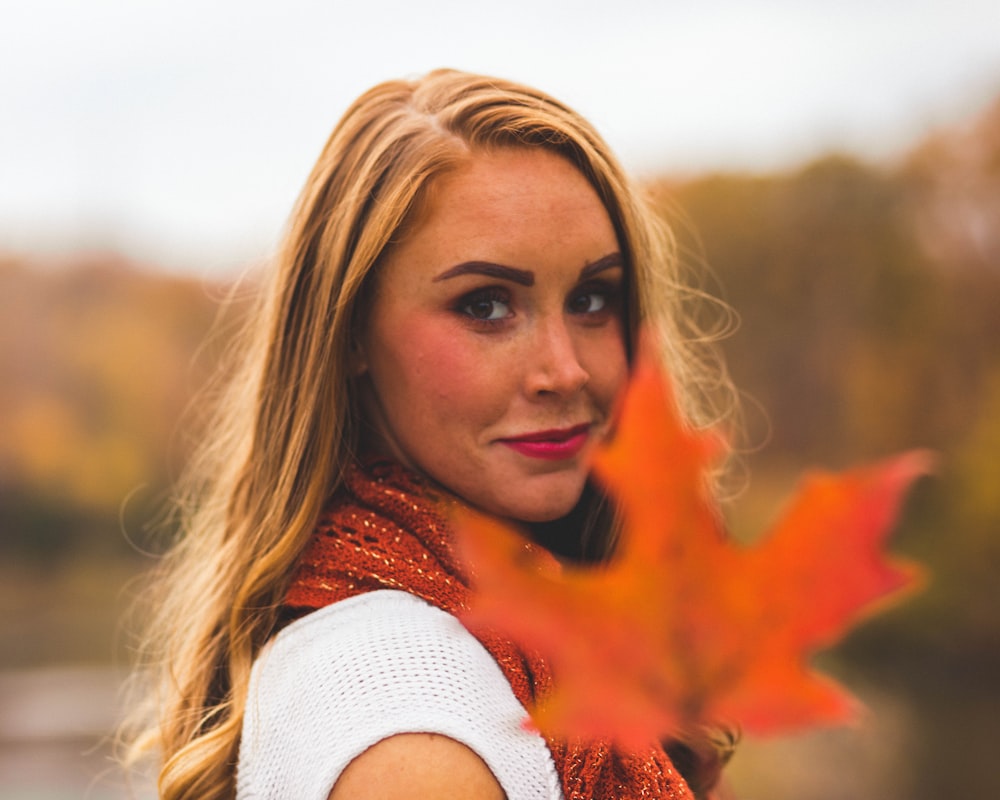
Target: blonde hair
[288,427]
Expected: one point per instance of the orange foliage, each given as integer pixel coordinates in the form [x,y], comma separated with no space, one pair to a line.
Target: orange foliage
[96,366]
[684,626]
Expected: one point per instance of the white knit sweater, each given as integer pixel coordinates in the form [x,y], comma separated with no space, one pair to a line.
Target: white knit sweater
[342,678]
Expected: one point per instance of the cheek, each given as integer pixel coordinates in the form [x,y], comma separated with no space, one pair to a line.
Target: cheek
[444,373]
[609,367]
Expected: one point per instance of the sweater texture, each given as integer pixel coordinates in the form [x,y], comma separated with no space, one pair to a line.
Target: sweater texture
[385,529]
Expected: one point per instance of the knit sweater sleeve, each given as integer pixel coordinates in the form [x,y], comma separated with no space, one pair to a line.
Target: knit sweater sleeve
[346,676]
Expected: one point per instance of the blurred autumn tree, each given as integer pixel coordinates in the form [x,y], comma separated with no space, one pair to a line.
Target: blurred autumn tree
[97,363]
[868,298]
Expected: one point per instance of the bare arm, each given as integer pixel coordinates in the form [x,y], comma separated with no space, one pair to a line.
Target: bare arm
[417,766]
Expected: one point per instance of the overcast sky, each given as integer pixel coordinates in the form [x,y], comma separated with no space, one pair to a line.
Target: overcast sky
[180,131]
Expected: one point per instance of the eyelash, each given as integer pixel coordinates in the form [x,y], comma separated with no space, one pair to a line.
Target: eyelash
[608,291]
[491,294]
[495,294]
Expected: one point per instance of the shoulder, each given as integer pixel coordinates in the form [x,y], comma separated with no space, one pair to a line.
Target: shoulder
[342,686]
[416,766]
[367,641]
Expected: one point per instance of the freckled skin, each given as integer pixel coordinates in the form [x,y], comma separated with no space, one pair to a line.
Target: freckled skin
[416,766]
[454,366]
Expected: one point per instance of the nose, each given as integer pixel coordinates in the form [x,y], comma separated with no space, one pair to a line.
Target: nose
[552,361]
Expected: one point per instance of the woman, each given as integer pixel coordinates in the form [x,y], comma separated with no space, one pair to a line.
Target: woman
[450,320]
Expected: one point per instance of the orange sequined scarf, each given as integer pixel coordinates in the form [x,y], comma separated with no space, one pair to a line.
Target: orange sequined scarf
[383,531]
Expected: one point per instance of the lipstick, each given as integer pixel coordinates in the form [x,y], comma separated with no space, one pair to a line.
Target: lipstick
[551,445]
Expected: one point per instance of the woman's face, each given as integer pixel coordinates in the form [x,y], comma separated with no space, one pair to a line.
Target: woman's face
[494,346]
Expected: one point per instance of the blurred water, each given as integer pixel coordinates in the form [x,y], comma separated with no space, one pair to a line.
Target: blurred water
[55,724]
[54,736]
[871,760]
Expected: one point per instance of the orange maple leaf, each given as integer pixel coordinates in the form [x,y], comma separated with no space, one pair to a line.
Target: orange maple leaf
[684,626]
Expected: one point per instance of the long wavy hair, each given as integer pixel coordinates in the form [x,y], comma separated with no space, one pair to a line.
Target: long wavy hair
[288,425]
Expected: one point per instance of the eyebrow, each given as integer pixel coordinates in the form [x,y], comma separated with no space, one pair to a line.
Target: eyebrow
[610,261]
[522,276]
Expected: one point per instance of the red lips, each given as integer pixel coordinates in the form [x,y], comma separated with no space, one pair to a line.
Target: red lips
[551,445]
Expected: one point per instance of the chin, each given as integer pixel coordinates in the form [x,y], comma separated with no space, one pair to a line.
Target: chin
[543,504]
[533,516]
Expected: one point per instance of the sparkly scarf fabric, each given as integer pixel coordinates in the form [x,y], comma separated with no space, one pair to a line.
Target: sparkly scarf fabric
[383,531]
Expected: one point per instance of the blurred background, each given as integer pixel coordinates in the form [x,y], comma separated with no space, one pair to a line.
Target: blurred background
[832,173]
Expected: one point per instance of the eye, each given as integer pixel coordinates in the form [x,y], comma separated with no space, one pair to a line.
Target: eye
[589,301]
[486,305]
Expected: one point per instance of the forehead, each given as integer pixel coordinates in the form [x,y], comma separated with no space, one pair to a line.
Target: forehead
[509,193]
[510,178]
[525,208]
